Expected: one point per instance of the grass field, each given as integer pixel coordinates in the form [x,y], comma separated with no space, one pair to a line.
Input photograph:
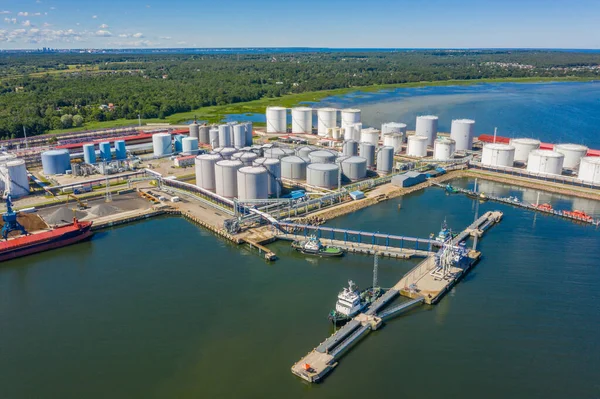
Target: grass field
[217,113]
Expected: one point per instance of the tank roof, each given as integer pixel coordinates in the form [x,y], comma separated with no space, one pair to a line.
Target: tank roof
[592,160]
[433,117]
[525,140]
[267,161]
[499,146]
[252,170]
[294,159]
[575,147]
[55,152]
[229,163]
[327,109]
[323,166]
[418,138]
[350,110]
[209,156]
[466,121]
[355,159]
[547,153]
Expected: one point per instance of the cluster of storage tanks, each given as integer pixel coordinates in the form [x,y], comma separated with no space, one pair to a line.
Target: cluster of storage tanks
[58,162]
[302,120]
[13,176]
[552,162]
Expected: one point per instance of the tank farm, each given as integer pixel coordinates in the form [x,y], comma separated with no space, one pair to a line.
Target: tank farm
[253,186]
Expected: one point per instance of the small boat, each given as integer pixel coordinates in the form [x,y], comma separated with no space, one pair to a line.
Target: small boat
[352,301]
[543,207]
[313,246]
[580,215]
[445,233]
[450,189]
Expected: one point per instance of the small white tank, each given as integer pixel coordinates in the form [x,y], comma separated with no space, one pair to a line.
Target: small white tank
[273,167]
[276,119]
[252,183]
[322,175]
[370,135]
[161,144]
[589,170]
[326,119]
[350,116]
[443,149]
[385,160]
[15,178]
[573,154]
[427,126]
[189,145]
[498,154]
[302,120]
[545,162]
[393,127]
[353,131]
[393,140]
[323,156]
[462,132]
[205,171]
[294,167]
[225,136]
[226,178]
[417,146]
[523,146]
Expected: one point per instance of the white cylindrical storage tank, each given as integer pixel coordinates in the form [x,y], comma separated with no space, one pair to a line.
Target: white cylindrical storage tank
[194,130]
[350,148]
[427,126]
[304,151]
[161,144]
[213,137]
[370,135]
[56,162]
[353,132]
[252,183]
[417,146]
[367,151]
[294,167]
[189,145]
[573,154]
[545,161]
[589,170]
[385,160]
[225,136]
[249,129]
[322,156]
[443,149]
[276,119]
[523,147]
[273,166]
[336,133]
[16,181]
[239,136]
[350,116]
[354,168]
[322,175]
[277,152]
[226,177]
[225,153]
[247,157]
[498,154]
[394,127]
[462,132]
[205,170]
[204,134]
[302,120]
[326,119]
[393,140]
[89,153]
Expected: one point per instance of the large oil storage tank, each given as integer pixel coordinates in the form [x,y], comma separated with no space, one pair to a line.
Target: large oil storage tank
[16,181]
[462,132]
[326,119]
[370,135]
[226,177]
[56,162]
[353,131]
[350,116]
[427,126]
[225,153]
[276,119]
[161,144]
[394,127]
[247,157]
[189,145]
[252,183]
[545,161]
[322,175]
[417,146]
[350,148]
[523,146]
[120,150]
[385,160]
[367,151]
[354,168]
[294,167]
[194,130]
[277,152]
[213,136]
[302,120]
[225,136]
[498,154]
[205,170]
[573,154]
[273,166]
[589,170]
[323,156]
[89,153]
[304,151]
[249,129]
[393,140]
[443,149]
[204,134]
[105,154]
[239,135]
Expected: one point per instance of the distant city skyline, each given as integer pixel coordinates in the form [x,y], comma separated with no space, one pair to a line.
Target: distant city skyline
[64,24]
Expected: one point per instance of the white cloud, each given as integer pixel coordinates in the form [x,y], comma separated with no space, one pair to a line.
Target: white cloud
[147,5]
[103,26]
[124,35]
[23,13]
[36,14]
[77,23]
[181,42]
[10,20]
[53,8]
[103,33]
[134,43]
[165,37]
[94,16]
[26,23]
[138,35]
[5,12]
[46,25]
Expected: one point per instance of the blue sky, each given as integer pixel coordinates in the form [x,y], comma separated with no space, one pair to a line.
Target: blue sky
[309,23]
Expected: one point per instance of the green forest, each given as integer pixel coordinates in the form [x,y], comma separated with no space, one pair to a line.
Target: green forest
[43,92]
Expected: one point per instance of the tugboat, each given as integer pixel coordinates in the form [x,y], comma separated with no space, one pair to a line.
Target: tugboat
[445,233]
[579,215]
[313,246]
[352,301]
[450,189]
[543,207]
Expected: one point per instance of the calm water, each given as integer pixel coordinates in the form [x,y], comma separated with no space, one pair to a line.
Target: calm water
[552,112]
[163,309]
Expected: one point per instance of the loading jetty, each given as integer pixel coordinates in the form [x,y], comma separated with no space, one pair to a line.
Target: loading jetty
[423,284]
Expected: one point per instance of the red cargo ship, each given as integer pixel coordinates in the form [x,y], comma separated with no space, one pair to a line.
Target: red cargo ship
[45,240]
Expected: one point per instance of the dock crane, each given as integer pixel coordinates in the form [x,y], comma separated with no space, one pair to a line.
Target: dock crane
[10,220]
